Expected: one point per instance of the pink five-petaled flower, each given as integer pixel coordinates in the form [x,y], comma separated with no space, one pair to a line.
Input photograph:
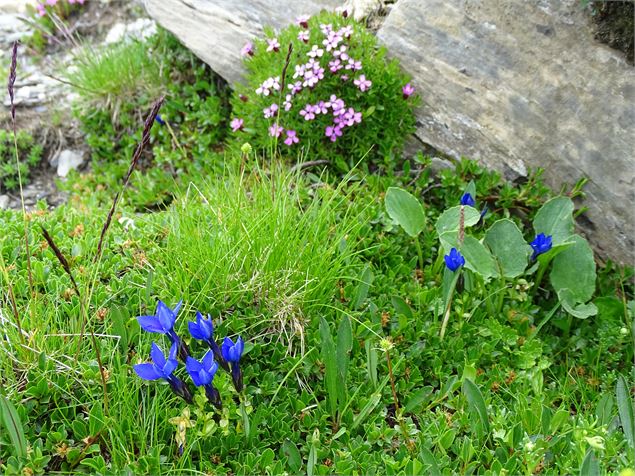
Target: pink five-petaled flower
[270,111]
[341,53]
[351,117]
[51,2]
[303,20]
[335,65]
[344,77]
[326,28]
[346,31]
[362,83]
[296,87]
[333,132]
[303,36]
[236,124]
[308,112]
[408,90]
[321,108]
[267,85]
[275,130]
[292,138]
[273,45]
[354,65]
[332,41]
[315,52]
[247,49]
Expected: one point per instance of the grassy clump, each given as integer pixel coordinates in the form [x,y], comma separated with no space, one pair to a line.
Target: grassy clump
[29,153]
[113,101]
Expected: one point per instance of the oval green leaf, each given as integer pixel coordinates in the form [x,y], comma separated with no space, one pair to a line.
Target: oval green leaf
[405,210]
[509,247]
[555,218]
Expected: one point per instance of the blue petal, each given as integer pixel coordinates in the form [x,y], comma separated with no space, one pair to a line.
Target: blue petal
[166,316]
[148,371]
[169,367]
[206,326]
[240,346]
[175,311]
[192,365]
[226,349]
[157,356]
[173,350]
[195,331]
[208,360]
[150,324]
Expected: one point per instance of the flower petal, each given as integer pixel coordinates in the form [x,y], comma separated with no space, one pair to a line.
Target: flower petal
[166,316]
[148,371]
[157,355]
[226,349]
[195,331]
[170,366]
[208,360]
[150,324]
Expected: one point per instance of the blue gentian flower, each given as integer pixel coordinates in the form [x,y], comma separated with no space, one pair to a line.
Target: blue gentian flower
[541,244]
[467,199]
[232,353]
[202,374]
[162,368]
[160,120]
[203,329]
[163,323]
[454,260]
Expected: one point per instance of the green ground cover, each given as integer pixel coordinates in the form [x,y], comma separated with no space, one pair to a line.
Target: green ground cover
[339,307]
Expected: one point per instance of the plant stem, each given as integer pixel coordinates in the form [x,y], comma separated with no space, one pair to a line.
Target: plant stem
[419,253]
[398,415]
[448,307]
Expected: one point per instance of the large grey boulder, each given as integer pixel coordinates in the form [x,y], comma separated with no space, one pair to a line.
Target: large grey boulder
[216,30]
[514,84]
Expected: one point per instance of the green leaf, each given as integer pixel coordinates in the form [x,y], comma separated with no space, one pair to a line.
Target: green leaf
[574,269]
[13,425]
[555,218]
[509,247]
[449,220]
[476,403]
[344,346]
[290,450]
[428,458]
[471,189]
[625,409]
[361,293]
[579,310]
[371,362]
[406,210]
[590,465]
[330,365]
[401,307]
[418,398]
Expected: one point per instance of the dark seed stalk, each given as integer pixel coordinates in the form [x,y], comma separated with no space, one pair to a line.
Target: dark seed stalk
[11,90]
[145,138]
[67,268]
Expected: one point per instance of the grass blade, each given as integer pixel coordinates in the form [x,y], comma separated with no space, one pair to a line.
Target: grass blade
[476,403]
[344,346]
[330,365]
[625,409]
[11,421]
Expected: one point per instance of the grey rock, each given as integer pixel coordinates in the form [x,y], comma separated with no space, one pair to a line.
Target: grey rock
[216,30]
[68,160]
[437,164]
[521,85]
[4,201]
[139,29]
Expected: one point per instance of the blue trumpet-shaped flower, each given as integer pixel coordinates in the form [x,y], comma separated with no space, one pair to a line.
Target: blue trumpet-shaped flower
[202,374]
[162,368]
[541,244]
[467,199]
[232,353]
[163,323]
[203,329]
[454,260]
